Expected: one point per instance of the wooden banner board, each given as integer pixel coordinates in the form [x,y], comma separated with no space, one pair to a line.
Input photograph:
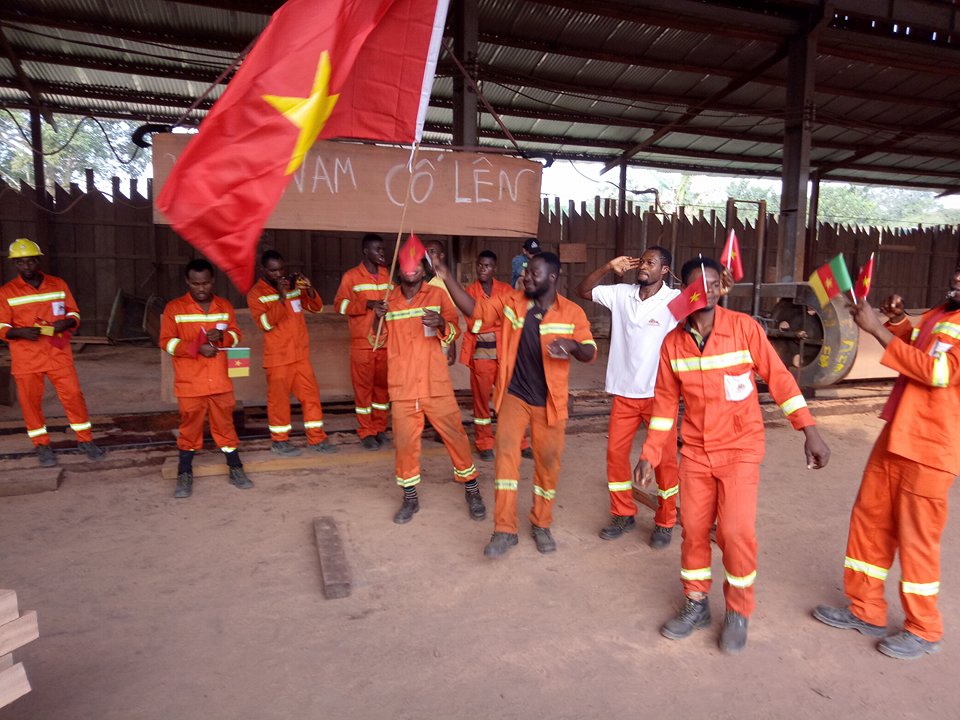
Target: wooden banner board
[354,187]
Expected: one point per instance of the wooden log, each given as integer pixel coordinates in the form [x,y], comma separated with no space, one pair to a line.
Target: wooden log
[9,610]
[334,569]
[27,482]
[13,684]
[19,632]
[6,661]
[648,499]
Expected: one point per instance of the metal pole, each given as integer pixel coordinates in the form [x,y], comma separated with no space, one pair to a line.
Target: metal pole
[761,248]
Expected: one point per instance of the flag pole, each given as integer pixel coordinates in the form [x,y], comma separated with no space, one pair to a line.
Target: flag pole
[396,248]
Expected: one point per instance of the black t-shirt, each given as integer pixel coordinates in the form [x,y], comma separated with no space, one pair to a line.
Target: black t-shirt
[529,383]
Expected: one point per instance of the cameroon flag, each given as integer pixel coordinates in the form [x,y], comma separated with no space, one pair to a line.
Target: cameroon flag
[238,362]
[830,280]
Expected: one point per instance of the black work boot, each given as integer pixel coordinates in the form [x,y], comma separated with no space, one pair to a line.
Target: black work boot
[499,543]
[619,524]
[283,447]
[184,485]
[733,637]
[907,646]
[326,447]
[409,508]
[478,510]
[239,479]
[45,456]
[543,538]
[91,450]
[694,614]
[527,453]
[661,537]
[843,618]
[369,443]
[486,455]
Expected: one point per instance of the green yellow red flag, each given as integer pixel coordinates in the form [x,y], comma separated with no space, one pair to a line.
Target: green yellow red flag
[831,279]
[238,362]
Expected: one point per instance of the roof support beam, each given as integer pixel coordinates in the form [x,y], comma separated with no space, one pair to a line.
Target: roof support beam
[120,66]
[25,81]
[465,23]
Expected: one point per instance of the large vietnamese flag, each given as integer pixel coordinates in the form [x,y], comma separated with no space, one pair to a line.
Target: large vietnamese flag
[321,69]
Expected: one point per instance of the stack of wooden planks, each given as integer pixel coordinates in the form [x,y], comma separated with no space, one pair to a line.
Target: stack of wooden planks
[16,630]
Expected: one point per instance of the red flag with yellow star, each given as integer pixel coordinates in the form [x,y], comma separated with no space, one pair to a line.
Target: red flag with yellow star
[693,298]
[730,257]
[411,254]
[321,69]
[862,287]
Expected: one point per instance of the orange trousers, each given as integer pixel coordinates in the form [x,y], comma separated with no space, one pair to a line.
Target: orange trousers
[444,414]
[65,382]
[902,505]
[368,371]
[729,494]
[626,416]
[483,376]
[192,412]
[547,443]
[295,378]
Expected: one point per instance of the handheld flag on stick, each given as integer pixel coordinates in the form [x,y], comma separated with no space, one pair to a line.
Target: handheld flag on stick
[730,257]
[693,298]
[238,362]
[830,280]
[193,349]
[411,254]
[862,288]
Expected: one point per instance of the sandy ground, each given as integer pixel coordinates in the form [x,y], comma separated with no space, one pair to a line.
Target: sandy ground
[155,608]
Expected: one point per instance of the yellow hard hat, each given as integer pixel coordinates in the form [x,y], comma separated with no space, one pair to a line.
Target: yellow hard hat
[21,248]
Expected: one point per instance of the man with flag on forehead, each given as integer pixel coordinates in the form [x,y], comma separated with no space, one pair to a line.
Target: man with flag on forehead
[422,323]
[710,360]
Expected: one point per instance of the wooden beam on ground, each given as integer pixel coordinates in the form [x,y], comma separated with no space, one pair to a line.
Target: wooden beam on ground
[19,632]
[9,610]
[13,684]
[645,498]
[28,482]
[6,661]
[334,569]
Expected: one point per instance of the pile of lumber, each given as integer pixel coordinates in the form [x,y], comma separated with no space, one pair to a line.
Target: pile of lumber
[16,630]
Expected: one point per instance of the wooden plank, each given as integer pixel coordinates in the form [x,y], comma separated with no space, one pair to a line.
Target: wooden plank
[19,632]
[6,661]
[573,252]
[13,684]
[334,569]
[27,482]
[648,499]
[9,610]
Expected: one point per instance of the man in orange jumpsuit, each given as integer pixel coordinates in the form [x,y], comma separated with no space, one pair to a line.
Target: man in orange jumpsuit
[361,289]
[902,503]
[195,329]
[37,315]
[542,330]
[277,303]
[710,361]
[422,323]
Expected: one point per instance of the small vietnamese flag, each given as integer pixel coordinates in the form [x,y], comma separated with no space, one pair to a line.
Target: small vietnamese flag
[730,257]
[830,280]
[693,298]
[193,349]
[238,362]
[862,288]
[411,254]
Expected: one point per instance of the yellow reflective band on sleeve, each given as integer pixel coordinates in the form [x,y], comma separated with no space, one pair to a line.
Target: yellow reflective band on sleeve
[265,324]
[79,427]
[793,404]
[279,428]
[312,424]
[669,492]
[744,581]
[408,482]
[343,306]
[660,423]
[482,421]
[450,336]
[941,371]
[74,315]
[510,315]
[712,362]
[695,574]
[42,297]
[236,340]
[268,298]
[378,406]
[227,449]
[947,328]
[477,324]
[620,486]
[925,589]
[472,470]
[38,432]
[556,329]
[545,494]
[589,342]
[411,313]
[294,293]
[913,333]
[867,569]
[172,345]
[505,485]
[197,318]
[5,325]
[363,410]
[369,287]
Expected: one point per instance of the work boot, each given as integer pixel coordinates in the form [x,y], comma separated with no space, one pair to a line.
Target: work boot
[45,456]
[660,537]
[91,450]
[382,439]
[486,455]
[369,443]
[326,447]
[410,507]
[733,637]
[842,617]
[283,447]
[527,453]
[499,543]
[478,510]
[184,485]
[545,542]
[239,479]
[619,525]
[694,614]
[907,646]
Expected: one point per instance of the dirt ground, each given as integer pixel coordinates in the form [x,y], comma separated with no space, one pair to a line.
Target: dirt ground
[152,608]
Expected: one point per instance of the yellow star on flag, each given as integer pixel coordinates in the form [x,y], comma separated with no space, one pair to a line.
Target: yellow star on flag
[866,283]
[694,297]
[828,283]
[309,113]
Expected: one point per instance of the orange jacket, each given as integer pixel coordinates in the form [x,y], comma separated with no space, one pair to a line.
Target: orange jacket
[285,339]
[923,428]
[22,305]
[357,286]
[416,365]
[475,290]
[564,319]
[179,327]
[722,422]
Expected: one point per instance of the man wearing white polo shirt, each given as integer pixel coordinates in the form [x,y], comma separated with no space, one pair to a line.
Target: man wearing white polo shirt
[640,320]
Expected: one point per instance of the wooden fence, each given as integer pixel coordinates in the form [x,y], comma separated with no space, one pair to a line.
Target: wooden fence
[101,244]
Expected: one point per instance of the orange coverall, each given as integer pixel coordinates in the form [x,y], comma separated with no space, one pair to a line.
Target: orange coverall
[22,305]
[723,443]
[201,384]
[368,367]
[286,358]
[420,383]
[564,319]
[902,502]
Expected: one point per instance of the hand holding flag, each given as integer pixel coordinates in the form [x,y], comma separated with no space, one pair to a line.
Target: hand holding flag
[193,349]
[864,279]
[831,279]
[730,257]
